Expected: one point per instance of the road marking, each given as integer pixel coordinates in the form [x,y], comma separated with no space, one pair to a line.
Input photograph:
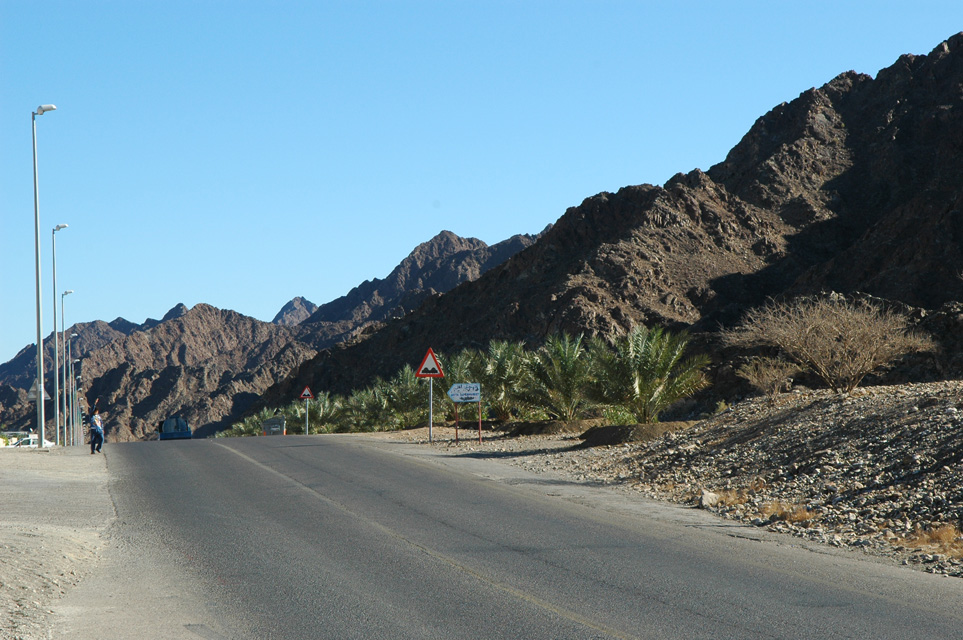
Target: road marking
[500,586]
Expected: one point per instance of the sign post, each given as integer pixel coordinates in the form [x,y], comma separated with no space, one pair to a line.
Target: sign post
[307,395]
[430,368]
[466,392]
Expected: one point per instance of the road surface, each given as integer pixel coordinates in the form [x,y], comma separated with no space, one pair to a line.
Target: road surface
[347,537]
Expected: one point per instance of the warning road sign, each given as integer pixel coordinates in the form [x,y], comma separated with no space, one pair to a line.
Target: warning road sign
[306,394]
[430,367]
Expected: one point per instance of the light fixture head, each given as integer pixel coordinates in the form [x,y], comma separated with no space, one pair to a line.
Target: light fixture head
[60,226]
[45,107]
[73,335]
[68,292]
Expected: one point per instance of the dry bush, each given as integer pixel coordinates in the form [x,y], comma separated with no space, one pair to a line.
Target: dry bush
[733,497]
[839,340]
[947,538]
[787,512]
[768,375]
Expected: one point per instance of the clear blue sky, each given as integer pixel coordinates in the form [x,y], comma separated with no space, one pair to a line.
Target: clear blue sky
[242,153]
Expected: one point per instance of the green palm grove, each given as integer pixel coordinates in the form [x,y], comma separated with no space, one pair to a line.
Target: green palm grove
[632,380]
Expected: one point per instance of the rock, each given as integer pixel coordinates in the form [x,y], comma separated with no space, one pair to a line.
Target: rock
[708,499]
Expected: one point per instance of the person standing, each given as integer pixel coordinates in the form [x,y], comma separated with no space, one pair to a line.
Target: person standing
[96,432]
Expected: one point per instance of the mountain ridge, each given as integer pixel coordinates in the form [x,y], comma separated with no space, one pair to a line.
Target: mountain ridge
[827,192]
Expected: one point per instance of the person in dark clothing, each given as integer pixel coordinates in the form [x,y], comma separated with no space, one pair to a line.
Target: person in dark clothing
[96,432]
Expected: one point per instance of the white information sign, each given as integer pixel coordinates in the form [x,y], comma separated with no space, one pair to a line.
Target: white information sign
[465,392]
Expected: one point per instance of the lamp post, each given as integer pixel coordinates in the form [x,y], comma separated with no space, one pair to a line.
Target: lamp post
[74,406]
[77,410]
[63,332]
[36,224]
[56,369]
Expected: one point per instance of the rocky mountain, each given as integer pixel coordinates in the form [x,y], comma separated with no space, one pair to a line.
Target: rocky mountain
[853,186]
[295,312]
[433,267]
[209,365]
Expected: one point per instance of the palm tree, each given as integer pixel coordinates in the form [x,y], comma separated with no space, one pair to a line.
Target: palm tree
[366,409]
[324,411]
[406,398]
[500,371]
[249,426]
[557,376]
[645,372]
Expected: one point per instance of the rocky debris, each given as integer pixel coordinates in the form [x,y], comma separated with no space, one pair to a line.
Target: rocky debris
[879,470]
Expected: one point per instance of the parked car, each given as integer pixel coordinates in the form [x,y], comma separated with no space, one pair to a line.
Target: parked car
[174,428]
[30,442]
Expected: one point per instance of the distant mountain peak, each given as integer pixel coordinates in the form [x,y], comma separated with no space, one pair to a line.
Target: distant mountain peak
[295,312]
[176,311]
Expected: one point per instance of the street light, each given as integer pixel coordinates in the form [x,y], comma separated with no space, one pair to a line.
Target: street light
[56,369]
[63,333]
[79,434]
[74,409]
[36,226]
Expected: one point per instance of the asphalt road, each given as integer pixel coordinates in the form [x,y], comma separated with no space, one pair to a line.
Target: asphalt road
[345,537]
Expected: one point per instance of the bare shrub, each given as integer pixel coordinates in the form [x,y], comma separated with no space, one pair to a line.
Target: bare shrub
[945,538]
[786,512]
[768,375]
[841,341]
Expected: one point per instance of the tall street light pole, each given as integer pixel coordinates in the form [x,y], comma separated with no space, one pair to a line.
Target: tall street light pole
[36,225]
[63,333]
[73,394]
[56,369]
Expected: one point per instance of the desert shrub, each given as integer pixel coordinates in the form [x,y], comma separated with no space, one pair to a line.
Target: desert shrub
[786,511]
[840,341]
[945,537]
[768,375]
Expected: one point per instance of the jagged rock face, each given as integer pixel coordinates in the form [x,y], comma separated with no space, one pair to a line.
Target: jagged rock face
[435,266]
[210,365]
[851,187]
[204,365]
[295,312]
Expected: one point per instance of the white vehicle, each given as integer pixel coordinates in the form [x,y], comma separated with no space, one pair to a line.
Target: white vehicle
[30,442]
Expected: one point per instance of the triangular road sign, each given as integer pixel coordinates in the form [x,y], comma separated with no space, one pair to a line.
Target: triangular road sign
[430,367]
[306,394]
[32,394]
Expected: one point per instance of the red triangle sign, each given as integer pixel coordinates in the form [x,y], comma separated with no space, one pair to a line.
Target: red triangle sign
[306,394]
[430,367]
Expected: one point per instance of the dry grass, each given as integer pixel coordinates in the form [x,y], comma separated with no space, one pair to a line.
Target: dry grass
[945,538]
[786,511]
[734,497]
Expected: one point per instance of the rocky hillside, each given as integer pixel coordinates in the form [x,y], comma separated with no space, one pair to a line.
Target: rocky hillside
[433,267]
[850,187]
[210,365]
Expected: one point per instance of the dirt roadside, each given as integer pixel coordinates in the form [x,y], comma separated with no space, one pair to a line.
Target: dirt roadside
[55,510]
